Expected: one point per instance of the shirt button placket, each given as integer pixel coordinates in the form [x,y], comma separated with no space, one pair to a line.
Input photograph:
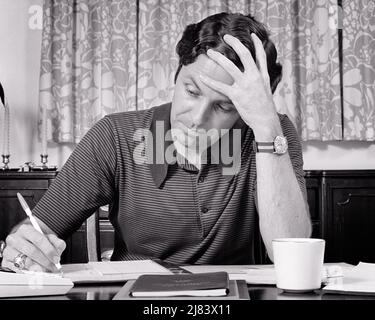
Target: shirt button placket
[204,210]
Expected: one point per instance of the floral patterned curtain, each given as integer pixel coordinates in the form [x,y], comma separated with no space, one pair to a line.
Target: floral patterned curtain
[359,69]
[100,57]
[88,63]
[308,49]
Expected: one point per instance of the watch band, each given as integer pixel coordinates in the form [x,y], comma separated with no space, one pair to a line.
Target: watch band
[279,146]
[266,147]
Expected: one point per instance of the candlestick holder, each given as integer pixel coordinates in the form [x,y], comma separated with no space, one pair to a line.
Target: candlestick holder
[44,160]
[5,161]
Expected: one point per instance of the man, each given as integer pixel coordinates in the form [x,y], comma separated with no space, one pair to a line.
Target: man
[192,210]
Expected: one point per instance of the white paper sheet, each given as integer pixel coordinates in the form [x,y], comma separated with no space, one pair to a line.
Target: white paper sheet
[252,274]
[264,274]
[33,284]
[96,272]
[360,279]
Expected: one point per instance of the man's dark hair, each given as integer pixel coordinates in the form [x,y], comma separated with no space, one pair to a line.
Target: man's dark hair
[208,33]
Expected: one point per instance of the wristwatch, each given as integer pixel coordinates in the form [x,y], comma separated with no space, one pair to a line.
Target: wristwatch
[278,146]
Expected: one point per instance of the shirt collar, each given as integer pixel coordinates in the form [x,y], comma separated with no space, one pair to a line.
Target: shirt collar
[162,113]
[159,170]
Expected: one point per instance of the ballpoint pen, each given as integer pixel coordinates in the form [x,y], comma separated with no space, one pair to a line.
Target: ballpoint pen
[33,221]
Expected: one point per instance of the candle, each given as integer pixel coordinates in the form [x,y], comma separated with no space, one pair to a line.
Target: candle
[6,128]
[44,130]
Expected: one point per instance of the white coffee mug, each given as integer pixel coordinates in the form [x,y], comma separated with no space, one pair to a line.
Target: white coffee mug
[298,263]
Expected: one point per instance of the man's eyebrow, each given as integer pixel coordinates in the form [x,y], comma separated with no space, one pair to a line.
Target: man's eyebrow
[192,80]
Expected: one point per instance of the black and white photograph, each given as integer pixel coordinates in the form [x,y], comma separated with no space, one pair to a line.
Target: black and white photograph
[187,159]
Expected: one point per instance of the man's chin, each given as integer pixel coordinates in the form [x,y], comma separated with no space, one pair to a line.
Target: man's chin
[187,143]
[192,140]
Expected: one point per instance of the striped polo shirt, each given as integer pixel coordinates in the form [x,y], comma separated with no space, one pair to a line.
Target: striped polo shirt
[173,212]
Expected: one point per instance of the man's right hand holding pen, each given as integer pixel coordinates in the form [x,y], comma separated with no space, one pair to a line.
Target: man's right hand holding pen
[42,251]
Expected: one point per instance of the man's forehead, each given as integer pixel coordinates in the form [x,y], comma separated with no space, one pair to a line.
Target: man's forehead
[206,66]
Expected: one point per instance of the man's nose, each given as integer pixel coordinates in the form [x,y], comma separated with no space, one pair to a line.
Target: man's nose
[199,115]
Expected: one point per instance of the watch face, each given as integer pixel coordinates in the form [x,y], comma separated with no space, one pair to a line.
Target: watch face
[280,145]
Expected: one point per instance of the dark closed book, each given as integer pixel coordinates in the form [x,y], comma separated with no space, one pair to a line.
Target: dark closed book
[212,284]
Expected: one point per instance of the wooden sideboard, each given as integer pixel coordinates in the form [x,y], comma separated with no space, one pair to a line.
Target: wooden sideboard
[341,203]
[348,215]
[32,185]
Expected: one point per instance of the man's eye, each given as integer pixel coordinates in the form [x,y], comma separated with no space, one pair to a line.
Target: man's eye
[192,93]
[226,108]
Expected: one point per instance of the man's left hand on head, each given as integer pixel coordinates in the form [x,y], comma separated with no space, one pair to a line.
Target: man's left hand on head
[250,92]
